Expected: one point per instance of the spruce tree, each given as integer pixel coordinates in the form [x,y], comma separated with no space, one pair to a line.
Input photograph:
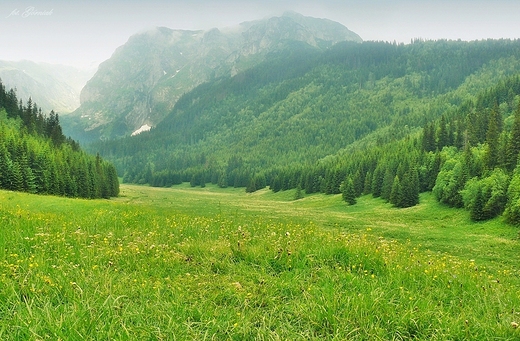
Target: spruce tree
[442,136]
[193,181]
[409,189]
[492,139]
[251,187]
[377,181]
[396,195]
[4,166]
[222,180]
[298,194]
[17,183]
[367,187]
[513,146]
[428,138]
[348,191]
[386,188]
[512,211]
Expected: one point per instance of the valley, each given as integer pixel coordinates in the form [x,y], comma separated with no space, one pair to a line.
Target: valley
[280,179]
[53,87]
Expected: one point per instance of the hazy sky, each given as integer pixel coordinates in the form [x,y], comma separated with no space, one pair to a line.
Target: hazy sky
[81,32]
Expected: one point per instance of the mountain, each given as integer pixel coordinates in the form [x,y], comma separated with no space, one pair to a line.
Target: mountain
[140,84]
[52,87]
[300,106]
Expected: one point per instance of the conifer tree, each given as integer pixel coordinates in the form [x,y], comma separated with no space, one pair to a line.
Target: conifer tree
[513,146]
[512,211]
[251,187]
[388,180]
[367,187]
[222,180]
[409,189]
[298,194]
[396,196]
[377,181]
[4,166]
[428,140]
[16,180]
[442,136]
[358,182]
[492,139]
[348,191]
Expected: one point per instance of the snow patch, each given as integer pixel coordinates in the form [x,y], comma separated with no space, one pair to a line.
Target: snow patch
[176,72]
[143,128]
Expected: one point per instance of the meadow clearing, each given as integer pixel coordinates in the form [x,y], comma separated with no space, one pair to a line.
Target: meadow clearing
[188,263]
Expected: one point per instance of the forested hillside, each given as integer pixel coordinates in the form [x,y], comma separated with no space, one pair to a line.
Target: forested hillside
[36,157]
[468,157]
[302,105]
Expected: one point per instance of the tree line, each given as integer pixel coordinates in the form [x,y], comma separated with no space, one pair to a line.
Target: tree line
[36,157]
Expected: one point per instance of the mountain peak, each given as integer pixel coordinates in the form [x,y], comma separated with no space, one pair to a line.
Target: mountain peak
[144,78]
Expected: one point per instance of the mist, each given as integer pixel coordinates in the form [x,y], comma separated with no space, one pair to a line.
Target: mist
[83,34]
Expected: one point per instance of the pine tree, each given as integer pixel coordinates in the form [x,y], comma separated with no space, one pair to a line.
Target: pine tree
[432,172]
[388,180]
[348,191]
[298,194]
[309,183]
[409,189]
[442,136]
[428,140]
[513,146]
[113,181]
[16,178]
[367,187]
[512,211]
[194,181]
[276,184]
[492,139]
[377,181]
[251,187]
[358,183]
[396,196]
[222,180]
[5,162]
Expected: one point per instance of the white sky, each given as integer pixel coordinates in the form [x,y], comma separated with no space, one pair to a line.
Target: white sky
[83,33]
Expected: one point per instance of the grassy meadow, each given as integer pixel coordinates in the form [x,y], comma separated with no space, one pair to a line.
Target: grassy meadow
[219,264]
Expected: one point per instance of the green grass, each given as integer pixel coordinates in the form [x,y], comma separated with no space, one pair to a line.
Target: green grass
[189,263]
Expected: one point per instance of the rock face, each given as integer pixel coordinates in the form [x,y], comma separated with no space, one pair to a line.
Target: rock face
[142,81]
[51,87]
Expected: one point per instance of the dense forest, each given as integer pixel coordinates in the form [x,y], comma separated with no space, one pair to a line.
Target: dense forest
[388,119]
[36,157]
[468,158]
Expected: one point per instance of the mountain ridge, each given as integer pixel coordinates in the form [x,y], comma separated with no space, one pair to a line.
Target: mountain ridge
[145,77]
